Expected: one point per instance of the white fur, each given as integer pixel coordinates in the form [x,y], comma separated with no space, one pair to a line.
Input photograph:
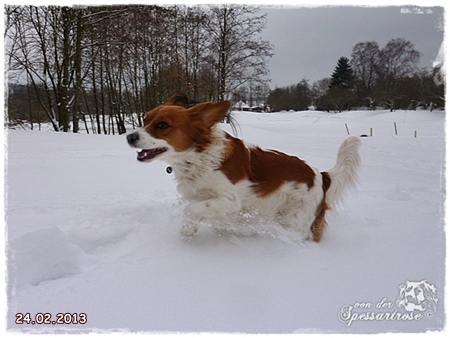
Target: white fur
[344,174]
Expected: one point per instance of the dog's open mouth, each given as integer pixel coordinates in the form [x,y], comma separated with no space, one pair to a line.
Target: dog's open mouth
[149,154]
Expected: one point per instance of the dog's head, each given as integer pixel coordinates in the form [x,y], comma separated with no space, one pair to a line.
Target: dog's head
[174,128]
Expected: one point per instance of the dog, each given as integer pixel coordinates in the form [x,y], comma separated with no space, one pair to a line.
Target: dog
[224,179]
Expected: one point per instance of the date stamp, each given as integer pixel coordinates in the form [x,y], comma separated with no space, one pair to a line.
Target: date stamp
[47,318]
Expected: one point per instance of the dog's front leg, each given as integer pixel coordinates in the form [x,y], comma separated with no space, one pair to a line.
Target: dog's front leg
[189,228]
[218,208]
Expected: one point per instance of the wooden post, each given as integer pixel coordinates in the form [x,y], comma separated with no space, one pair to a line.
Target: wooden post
[371,132]
[346,127]
[415,133]
[395,127]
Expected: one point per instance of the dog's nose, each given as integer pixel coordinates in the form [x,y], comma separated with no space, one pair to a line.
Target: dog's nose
[132,139]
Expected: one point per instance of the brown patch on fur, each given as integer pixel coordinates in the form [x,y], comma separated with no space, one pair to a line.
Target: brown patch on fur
[236,162]
[320,223]
[204,117]
[270,169]
[185,128]
[267,170]
[176,117]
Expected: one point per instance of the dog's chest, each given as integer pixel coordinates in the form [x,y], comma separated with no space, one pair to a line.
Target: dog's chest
[203,183]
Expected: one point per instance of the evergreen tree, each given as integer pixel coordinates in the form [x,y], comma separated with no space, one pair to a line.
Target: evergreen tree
[343,74]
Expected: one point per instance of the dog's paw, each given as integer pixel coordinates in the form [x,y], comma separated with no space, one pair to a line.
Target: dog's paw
[188,230]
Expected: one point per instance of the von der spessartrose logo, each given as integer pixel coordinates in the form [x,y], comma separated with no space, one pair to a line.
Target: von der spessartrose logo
[417,296]
[415,300]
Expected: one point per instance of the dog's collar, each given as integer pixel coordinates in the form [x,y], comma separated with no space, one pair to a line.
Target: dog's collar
[169,169]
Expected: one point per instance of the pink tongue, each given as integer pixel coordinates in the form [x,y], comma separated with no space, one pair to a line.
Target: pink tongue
[143,154]
[148,154]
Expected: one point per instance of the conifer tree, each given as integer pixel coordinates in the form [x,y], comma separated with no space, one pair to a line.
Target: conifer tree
[342,76]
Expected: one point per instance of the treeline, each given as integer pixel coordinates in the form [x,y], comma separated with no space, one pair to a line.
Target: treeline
[387,78]
[102,65]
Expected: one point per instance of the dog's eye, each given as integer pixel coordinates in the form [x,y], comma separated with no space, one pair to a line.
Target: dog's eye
[162,125]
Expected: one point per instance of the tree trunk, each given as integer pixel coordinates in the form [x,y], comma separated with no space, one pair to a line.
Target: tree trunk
[78,60]
[64,104]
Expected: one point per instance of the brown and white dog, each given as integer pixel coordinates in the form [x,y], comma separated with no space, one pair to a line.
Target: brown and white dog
[225,179]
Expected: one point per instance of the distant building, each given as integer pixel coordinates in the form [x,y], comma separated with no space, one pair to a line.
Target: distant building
[242,106]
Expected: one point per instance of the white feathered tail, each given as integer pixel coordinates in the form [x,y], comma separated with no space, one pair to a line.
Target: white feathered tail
[344,174]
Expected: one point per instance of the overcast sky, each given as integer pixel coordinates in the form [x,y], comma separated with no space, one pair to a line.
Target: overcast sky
[308,41]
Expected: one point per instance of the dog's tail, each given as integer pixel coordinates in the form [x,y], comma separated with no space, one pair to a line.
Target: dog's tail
[344,174]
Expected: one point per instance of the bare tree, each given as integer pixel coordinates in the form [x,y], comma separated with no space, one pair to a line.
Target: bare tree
[319,88]
[193,48]
[35,53]
[365,58]
[240,53]
[104,64]
[398,59]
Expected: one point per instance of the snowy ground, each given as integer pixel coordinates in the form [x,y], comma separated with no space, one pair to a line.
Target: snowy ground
[91,230]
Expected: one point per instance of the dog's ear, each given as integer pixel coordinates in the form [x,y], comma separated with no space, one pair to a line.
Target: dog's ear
[209,113]
[178,99]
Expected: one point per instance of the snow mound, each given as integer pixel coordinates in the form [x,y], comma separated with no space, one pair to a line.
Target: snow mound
[43,255]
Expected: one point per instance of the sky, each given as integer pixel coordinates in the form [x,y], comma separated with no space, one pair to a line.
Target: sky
[308,41]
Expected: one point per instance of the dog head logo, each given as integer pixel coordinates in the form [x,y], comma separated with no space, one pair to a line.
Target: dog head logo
[417,296]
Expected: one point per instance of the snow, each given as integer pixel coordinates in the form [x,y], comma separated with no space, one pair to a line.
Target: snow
[91,230]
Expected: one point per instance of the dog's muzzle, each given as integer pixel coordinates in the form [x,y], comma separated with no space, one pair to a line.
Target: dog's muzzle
[133,138]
